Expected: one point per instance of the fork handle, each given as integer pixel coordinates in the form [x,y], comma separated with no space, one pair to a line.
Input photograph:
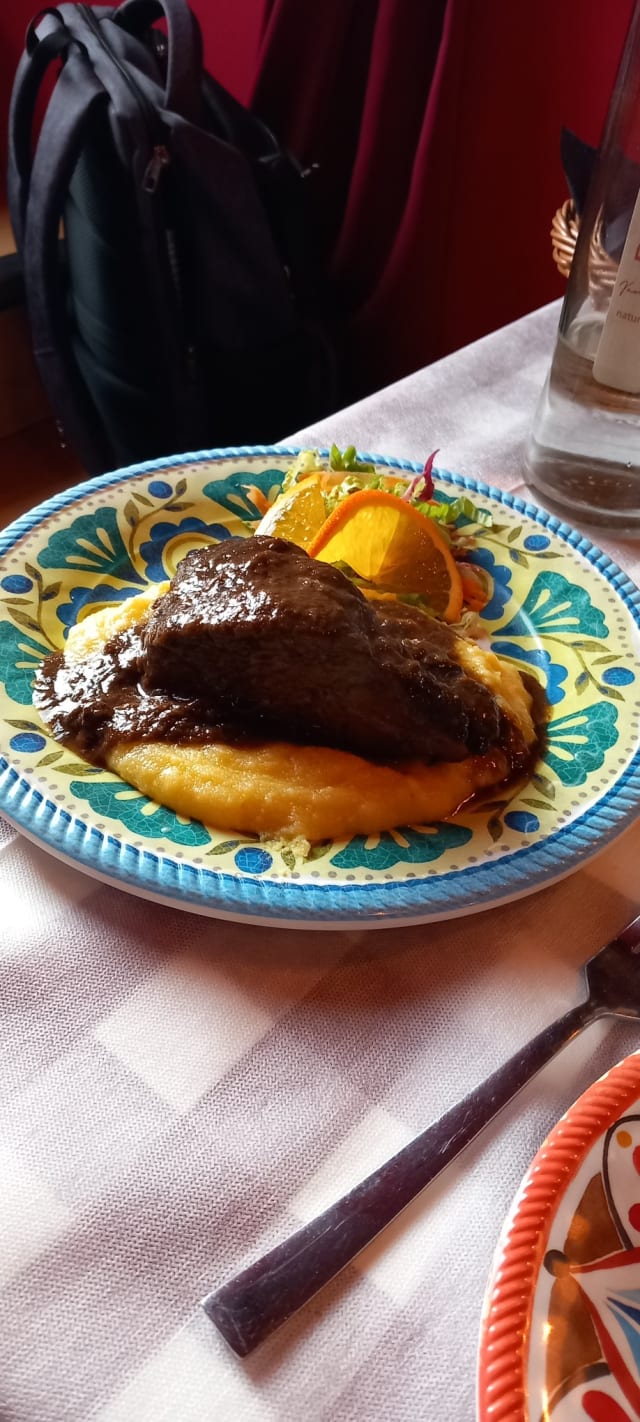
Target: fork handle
[254,1303]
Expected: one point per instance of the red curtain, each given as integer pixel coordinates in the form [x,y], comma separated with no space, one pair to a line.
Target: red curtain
[435,125]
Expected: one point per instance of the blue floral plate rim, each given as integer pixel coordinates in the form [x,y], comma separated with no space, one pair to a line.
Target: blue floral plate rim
[330,905]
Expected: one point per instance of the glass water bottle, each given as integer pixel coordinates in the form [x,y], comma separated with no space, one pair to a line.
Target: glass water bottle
[583,455]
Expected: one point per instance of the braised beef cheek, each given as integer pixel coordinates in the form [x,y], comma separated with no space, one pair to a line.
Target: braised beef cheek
[281,646]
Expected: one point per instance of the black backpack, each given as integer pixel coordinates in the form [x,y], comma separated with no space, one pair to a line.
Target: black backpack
[164,240]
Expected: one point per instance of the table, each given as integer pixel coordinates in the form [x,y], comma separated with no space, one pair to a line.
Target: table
[177,1094]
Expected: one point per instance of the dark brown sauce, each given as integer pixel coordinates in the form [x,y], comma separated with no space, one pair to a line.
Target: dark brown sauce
[539,708]
[94,704]
[523,765]
[257,642]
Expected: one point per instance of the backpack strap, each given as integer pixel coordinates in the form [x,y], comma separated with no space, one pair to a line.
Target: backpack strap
[184,53]
[72,108]
[34,63]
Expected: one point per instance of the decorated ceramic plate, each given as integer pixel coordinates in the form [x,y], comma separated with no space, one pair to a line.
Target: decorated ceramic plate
[560,1335]
[560,609]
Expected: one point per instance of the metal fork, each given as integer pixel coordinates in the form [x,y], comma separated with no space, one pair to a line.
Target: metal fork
[257,1301]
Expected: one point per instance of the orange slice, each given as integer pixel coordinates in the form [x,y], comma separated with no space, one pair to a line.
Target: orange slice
[299,513]
[296,515]
[390,543]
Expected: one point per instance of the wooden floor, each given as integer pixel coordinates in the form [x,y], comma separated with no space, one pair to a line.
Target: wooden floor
[32,466]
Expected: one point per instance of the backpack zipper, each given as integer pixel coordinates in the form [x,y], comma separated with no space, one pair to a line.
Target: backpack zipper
[159,161]
[160,155]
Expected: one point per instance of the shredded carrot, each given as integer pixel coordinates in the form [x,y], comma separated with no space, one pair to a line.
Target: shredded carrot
[257,498]
[475,592]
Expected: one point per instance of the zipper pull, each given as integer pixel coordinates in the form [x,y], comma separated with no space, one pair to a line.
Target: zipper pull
[160,159]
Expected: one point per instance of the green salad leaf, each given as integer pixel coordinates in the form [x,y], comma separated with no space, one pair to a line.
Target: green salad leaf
[348,460]
[461,507]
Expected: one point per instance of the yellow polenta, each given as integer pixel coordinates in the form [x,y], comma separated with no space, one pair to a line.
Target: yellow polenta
[279,789]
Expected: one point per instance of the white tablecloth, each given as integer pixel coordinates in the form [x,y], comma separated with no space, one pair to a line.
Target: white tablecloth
[177,1094]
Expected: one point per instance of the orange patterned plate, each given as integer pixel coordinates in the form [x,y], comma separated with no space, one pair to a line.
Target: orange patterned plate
[560,1337]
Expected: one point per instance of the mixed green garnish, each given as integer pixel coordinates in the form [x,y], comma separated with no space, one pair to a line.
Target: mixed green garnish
[359,474]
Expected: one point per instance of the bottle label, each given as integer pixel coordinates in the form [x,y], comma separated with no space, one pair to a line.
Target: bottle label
[617,361]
